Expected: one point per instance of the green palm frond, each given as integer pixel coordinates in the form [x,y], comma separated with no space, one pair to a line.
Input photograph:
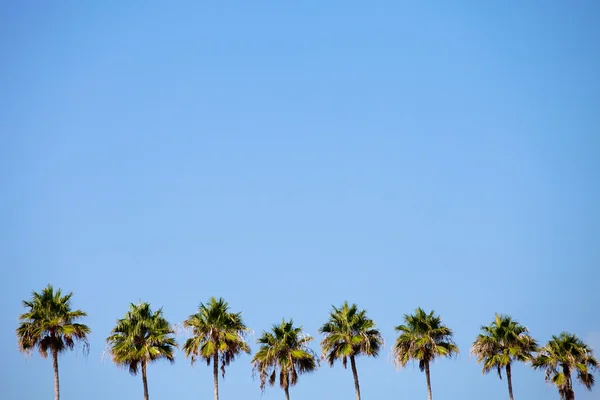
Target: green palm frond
[50,325]
[284,349]
[348,333]
[562,355]
[215,330]
[422,338]
[501,343]
[141,337]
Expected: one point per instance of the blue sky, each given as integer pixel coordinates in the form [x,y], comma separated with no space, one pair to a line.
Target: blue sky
[292,156]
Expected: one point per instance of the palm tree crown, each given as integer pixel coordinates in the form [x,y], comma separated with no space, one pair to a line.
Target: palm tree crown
[563,355]
[284,348]
[218,335]
[423,338]
[348,334]
[49,324]
[141,337]
[501,343]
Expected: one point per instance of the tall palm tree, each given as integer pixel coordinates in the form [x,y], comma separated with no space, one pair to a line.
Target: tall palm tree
[501,343]
[49,324]
[565,354]
[141,337]
[348,334]
[423,338]
[218,335]
[284,348]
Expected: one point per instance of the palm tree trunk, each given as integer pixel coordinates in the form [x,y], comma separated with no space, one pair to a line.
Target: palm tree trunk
[287,392]
[427,376]
[570,392]
[355,373]
[509,380]
[145,381]
[56,382]
[216,374]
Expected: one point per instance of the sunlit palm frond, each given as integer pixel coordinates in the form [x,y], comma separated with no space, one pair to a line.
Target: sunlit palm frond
[215,331]
[422,338]
[49,323]
[501,343]
[563,355]
[285,350]
[142,336]
[349,333]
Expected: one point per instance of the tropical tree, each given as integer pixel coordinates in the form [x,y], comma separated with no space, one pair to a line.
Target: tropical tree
[349,333]
[500,344]
[141,337]
[218,336]
[423,338]
[286,349]
[50,325]
[563,355]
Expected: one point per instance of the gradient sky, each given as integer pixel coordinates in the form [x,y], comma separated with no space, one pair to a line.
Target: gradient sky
[288,157]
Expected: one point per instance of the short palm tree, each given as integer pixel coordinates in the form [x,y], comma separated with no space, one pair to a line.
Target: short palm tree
[141,337]
[286,349]
[218,335]
[349,333]
[49,324]
[500,344]
[565,354]
[423,338]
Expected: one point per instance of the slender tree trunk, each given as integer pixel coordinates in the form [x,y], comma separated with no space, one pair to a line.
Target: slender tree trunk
[216,374]
[509,380]
[355,373]
[427,376]
[56,382]
[570,392]
[145,381]
[287,392]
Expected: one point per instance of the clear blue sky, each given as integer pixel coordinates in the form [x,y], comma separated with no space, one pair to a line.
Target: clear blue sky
[290,157]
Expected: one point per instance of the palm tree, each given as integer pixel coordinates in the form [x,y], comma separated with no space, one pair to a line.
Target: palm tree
[423,338]
[284,348]
[501,343]
[49,324]
[218,335]
[563,355]
[348,334]
[140,338]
